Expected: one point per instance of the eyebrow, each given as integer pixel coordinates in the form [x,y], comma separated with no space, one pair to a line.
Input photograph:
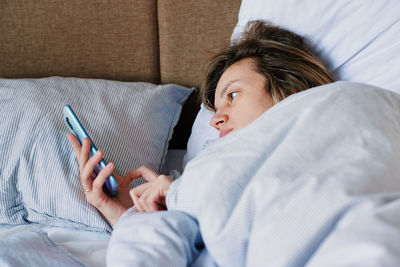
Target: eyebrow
[226,88]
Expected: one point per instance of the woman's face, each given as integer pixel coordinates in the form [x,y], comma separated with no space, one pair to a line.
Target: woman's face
[240,97]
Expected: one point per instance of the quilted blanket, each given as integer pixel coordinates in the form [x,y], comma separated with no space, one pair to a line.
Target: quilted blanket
[314,181]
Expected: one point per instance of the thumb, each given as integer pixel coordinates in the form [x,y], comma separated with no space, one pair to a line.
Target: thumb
[120,180]
[143,171]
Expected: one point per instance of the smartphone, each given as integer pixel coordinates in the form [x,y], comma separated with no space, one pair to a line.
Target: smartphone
[77,129]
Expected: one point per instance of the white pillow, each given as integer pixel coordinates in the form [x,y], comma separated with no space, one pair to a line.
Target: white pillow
[359,39]
[202,132]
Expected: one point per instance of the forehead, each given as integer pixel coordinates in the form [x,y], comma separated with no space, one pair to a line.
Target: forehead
[238,69]
[244,70]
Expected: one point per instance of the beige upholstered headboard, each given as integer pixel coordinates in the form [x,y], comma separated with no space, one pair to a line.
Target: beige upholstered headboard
[97,39]
[164,41]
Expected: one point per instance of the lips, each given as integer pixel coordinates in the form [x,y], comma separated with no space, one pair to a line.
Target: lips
[222,133]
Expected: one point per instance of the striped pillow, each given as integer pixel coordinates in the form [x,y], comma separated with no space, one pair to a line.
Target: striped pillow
[39,176]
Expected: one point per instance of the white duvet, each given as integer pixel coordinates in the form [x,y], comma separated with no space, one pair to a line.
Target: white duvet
[314,181]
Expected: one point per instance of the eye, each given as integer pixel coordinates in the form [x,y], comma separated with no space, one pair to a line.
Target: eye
[232,95]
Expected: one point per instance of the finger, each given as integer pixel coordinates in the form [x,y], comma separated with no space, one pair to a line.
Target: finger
[135,200]
[140,189]
[118,178]
[158,198]
[76,145]
[149,200]
[143,171]
[88,169]
[84,156]
[102,176]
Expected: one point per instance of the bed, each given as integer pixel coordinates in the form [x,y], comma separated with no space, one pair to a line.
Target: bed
[130,70]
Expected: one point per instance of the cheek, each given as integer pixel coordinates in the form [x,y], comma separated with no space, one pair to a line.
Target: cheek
[247,115]
[249,109]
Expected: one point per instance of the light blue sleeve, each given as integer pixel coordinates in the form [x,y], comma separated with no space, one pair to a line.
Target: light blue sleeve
[163,238]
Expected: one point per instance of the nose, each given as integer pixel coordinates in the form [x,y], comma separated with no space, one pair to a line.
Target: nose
[218,120]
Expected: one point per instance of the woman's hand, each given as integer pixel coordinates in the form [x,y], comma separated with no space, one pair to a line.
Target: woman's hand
[149,196]
[111,207]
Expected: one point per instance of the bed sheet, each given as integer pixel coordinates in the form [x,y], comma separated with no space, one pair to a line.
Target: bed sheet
[85,248]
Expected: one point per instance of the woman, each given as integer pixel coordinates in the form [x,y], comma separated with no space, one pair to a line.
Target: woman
[265,66]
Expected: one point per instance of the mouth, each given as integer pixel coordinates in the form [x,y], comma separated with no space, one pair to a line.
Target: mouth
[222,133]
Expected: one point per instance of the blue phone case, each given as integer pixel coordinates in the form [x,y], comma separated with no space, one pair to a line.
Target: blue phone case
[77,129]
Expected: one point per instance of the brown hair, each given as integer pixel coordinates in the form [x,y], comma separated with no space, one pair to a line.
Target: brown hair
[283,57]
